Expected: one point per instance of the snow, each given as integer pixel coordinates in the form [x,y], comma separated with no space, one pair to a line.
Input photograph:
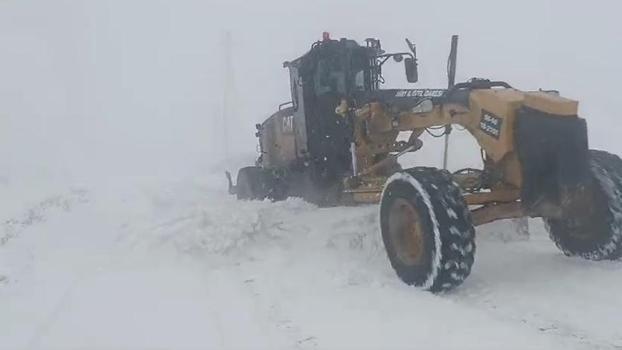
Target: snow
[116,231]
[182,265]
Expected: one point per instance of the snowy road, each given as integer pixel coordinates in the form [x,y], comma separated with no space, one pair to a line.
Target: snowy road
[181,265]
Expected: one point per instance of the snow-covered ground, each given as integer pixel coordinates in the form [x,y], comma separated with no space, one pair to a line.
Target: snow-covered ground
[152,264]
[94,255]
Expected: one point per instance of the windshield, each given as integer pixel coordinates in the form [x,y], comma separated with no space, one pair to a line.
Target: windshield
[330,77]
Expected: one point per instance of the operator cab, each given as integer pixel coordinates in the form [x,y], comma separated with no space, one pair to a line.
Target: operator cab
[306,134]
[331,71]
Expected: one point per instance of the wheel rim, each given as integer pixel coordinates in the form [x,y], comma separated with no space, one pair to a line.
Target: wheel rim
[406,232]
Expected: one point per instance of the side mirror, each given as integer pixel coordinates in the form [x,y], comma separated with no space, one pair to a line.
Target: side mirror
[410,65]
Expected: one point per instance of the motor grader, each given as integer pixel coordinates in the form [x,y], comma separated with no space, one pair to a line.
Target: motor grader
[336,143]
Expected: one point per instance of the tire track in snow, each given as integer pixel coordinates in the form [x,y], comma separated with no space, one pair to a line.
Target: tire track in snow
[42,329]
[541,323]
[277,318]
[14,227]
[235,308]
[528,284]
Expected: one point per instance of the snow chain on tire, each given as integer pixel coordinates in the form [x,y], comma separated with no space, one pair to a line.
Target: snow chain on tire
[598,236]
[446,226]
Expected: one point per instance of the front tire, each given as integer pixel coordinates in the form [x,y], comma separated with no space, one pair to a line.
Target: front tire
[427,229]
[597,234]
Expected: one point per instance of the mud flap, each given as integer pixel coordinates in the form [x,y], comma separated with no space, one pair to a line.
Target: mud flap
[553,151]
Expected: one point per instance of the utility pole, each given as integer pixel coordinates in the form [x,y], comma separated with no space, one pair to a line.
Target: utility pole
[451,81]
[228,88]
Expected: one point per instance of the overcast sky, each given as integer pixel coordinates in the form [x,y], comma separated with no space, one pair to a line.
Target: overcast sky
[135,86]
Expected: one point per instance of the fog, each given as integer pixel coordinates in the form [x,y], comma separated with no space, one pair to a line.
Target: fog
[117,232]
[135,88]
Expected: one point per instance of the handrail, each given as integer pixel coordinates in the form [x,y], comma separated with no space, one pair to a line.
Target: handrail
[285,104]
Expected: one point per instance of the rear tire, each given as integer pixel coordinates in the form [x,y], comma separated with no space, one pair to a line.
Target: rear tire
[252,184]
[427,229]
[598,234]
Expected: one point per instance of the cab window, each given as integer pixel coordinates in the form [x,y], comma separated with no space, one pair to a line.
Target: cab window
[329,77]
